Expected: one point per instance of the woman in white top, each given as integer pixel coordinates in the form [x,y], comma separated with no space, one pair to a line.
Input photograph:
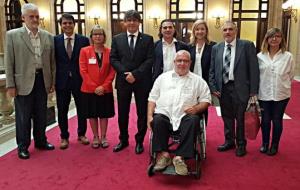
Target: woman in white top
[200,50]
[276,67]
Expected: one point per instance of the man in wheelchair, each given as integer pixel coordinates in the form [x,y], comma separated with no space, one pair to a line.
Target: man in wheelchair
[175,101]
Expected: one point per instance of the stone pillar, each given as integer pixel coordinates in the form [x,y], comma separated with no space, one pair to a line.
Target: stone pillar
[2,27]
[6,108]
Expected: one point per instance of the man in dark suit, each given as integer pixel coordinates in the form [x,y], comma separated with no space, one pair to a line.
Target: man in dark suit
[30,76]
[166,48]
[233,78]
[68,79]
[132,58]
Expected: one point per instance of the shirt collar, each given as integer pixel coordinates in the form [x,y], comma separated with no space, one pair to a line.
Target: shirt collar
[233,43]
[135,34]
[72,36]
[175,75]
[29,31]
[164,42]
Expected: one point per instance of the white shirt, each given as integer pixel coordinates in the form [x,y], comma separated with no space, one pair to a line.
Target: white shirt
[231,68]
[134,38]
[172,94]
[72,40]
[275,76]
[198,68]
[36,44]
[169,52]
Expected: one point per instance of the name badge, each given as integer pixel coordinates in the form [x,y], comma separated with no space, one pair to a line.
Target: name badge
[92,61]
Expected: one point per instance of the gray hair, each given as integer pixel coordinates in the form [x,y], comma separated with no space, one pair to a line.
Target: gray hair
[29,6]
[229,22]
[180,52]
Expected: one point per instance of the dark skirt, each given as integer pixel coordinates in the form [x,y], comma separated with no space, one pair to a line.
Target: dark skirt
[95,106]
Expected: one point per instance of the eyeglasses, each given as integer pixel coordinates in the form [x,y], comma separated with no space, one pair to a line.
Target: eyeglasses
[34,17]
[185,61]
[276,36]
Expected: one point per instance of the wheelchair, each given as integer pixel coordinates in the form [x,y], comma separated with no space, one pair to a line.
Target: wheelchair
[199,152]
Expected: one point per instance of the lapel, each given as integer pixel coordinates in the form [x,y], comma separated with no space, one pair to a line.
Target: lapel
[26,39]
[61,42]
[125,43]
[42,41]
[160,52]
[220,56]
[75,47]
[138,42]
[238,50]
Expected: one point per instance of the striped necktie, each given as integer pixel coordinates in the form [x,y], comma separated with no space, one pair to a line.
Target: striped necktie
[226,65]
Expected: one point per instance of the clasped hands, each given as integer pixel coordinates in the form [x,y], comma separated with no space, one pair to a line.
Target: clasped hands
[99,91]
[129,77]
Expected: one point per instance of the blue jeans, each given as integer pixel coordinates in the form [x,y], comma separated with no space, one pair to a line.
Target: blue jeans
[272,111]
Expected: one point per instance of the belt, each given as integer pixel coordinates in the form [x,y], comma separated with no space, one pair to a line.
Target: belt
[38,71]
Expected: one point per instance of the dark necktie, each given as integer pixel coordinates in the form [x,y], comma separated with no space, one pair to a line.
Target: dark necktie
[226,66]
[69,47]
[131,44]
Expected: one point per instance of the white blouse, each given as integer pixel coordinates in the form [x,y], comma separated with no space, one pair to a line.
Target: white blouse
[275,76]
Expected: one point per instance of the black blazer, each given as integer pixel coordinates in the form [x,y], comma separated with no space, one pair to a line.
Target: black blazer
[64,65]
[139,64]
[205,59]
[158,65]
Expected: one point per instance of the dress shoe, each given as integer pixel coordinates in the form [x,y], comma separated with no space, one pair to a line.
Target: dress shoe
[46,146]
[225,147]
[83,140]
[23,154]
[64,144]
[139,148]
[241,151]
[264,148]
[120,146]
[273,150]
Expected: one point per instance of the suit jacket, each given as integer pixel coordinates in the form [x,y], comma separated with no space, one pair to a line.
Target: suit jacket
[92,75]
[246,70]
[205,59]
[139,64]
[158,65]
[20,60]
[65,65]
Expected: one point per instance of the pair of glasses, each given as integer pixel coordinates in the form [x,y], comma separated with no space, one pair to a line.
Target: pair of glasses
[276,36]
[185,61]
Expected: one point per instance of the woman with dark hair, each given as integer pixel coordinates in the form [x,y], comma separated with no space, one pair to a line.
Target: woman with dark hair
[276,67]
[166,48]
[97,75]
[200,49]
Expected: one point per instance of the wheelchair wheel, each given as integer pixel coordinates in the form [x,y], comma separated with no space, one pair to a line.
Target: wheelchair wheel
[150,170]
[198,166]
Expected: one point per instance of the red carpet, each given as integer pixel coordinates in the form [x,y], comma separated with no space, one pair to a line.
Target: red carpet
[81,167]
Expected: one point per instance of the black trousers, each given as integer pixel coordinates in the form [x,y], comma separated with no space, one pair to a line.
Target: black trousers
[124,100]
[63,98]
[162,129]
[233,110]
[272,111]
[32,106]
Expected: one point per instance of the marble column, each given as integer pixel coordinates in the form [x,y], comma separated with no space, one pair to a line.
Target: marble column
[6,108]
[2,27]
